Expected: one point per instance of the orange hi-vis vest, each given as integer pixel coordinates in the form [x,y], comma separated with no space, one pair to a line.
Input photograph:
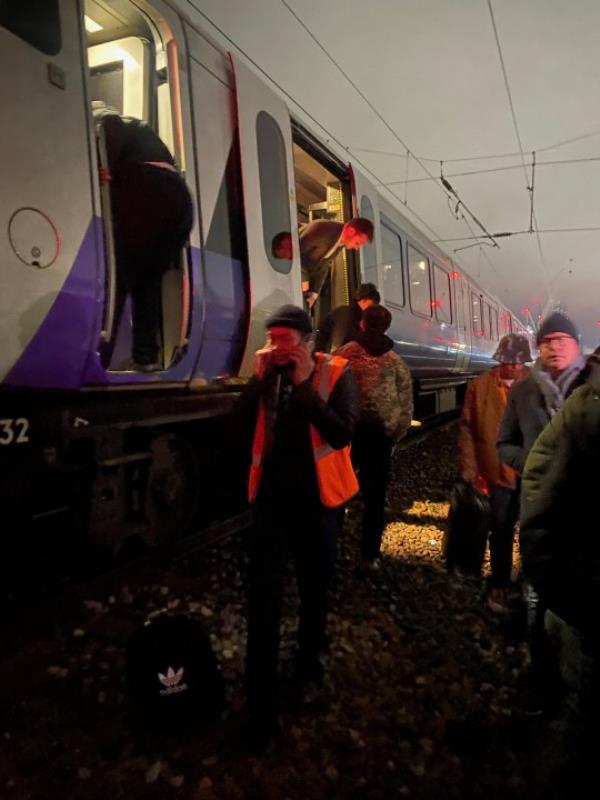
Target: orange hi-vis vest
[335,476]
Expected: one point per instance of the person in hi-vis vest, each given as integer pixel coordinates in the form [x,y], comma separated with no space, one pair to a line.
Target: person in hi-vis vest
[303,408]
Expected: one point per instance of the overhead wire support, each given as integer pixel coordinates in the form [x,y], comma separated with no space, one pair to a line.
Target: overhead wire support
[531,190]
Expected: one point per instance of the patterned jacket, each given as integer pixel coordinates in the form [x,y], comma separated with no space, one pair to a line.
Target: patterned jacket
[384,383]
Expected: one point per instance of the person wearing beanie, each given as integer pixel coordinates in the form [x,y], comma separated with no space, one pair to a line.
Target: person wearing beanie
[386,406]
[479,463]
[302,408]
[343,323]
[532,403]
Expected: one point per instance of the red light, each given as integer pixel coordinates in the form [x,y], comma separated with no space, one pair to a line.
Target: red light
[598,322]
[526,310]
[436,303]
[454,274]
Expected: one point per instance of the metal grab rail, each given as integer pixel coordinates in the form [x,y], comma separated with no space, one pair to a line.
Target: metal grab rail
[109,245]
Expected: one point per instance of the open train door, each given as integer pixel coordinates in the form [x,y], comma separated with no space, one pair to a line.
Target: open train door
[366,204]
[269,200]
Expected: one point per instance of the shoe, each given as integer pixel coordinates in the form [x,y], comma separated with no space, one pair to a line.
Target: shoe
[366,567]
[497,601]
[131,365]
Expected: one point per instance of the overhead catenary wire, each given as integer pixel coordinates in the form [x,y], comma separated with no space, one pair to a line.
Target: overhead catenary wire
[517,133]
[331,136]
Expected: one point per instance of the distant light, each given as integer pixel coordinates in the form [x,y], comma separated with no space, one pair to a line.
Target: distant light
[387,266]
[454,274]
[91,25]
[421,265]
[416,283]
[436,303]
[526,310]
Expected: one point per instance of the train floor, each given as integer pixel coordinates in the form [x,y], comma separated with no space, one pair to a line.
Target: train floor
[421,696]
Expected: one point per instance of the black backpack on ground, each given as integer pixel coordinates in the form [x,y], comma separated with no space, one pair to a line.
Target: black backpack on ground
[468,528]
[173,679]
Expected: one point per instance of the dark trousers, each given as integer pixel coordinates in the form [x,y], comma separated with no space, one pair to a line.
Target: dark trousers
[308,534]
[372,455]
[152,217]
[505,512]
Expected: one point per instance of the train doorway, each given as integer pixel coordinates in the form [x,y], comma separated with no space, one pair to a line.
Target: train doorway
[132,70]
[323,192]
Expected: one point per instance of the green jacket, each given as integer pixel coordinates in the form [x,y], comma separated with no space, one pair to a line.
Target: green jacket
[560,524]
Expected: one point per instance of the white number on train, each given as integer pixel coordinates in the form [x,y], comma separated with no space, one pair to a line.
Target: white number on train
[14,431]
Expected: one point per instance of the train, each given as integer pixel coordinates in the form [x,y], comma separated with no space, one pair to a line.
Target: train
[127,453]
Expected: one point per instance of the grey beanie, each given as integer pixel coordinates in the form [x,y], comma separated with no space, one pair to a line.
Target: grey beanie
[557,322]
[290,317]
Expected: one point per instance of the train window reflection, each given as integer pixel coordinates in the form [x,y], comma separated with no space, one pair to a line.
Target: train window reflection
[420,289]
[37,22]
[442,301]
[476,315]
[274,188]
[391,257]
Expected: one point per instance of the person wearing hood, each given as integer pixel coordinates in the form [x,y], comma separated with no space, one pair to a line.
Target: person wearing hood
[479,463]
[386,407]
[532,403]
[561,556]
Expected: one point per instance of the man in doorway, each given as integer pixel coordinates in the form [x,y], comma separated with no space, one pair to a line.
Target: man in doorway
[303,408]
[342,325]
[152,215]
[320,242]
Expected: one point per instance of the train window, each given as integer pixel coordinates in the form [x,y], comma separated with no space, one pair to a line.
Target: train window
[442,300]
[495,332]
[420,288]
[274,187]
[391,254]
[485,319]
[37,22]
[476,315]
[368,252]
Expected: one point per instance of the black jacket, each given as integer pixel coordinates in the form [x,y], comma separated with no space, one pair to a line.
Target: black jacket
[316,240]
[560,527]
[340,326]
[289,474]
[524,419]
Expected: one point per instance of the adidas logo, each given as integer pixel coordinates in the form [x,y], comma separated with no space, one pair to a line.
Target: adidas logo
[172,682]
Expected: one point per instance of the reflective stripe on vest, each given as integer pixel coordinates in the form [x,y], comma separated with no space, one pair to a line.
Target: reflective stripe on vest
[335,475]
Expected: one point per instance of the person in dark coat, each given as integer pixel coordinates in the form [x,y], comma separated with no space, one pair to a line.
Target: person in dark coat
[531,405]
[303,408]
[343,323]
[483,408]
[320,242]
[560,550]
[152,215]
[386,407]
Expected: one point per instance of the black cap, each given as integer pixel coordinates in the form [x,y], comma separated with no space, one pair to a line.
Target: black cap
[290,317]
[557,322]
[367,291]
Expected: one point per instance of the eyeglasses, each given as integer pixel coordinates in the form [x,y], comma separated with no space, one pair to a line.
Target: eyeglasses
[561,341]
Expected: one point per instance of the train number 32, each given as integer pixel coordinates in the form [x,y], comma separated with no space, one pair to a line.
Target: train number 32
[14,431]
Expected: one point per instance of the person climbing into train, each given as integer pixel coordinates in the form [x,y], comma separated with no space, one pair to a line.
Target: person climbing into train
[320,242]
[303,408]
[479,463]
[386,407]
[532,403]
[343,323]
[152,216]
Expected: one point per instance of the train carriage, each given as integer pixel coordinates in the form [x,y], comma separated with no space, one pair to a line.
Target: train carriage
[139,451]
